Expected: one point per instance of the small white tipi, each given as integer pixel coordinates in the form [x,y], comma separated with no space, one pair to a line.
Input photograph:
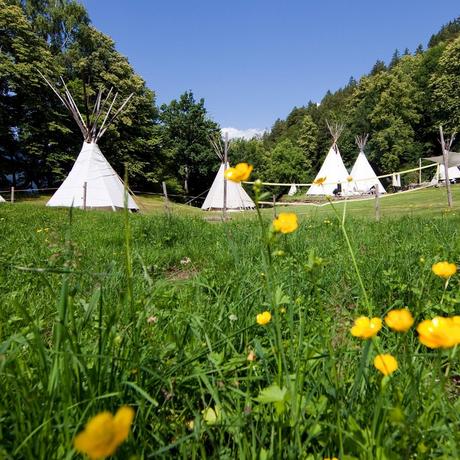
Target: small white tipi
[292,190]
[92,182]
[453,171]
[332,170]
[2,200]
[364,177]
[237,199]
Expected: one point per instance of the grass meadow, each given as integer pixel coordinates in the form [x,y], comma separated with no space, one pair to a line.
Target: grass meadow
[100,310]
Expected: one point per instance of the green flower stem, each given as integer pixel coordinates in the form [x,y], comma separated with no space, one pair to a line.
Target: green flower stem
[352,254]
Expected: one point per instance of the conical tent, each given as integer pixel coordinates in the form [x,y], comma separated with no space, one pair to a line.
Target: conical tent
[92,182]
[333,170]
[2,200]
[362,174]
[237,198]
[91,171]
[453,171]
[292,190]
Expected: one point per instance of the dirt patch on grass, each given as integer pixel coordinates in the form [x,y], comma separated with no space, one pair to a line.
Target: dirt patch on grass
[180,273]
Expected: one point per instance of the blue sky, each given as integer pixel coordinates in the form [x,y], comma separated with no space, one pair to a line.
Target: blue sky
[254,60]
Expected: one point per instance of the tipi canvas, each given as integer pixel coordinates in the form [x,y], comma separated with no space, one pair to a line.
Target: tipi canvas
[333,170]
[92,182]
[453,171]
[362,174]
[292,190]
[104,188]
[237,198]
[2,200]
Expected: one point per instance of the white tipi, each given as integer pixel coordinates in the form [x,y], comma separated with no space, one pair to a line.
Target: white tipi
[333,170]
[2,200]
[362,174]
[92,182]
[453,171]
[236,197]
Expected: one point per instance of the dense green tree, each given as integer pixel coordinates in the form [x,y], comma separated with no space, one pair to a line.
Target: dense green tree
[445,84]
[308,137]
[23,109]
[250,151]
[287,163]
[187,131]
[448,32]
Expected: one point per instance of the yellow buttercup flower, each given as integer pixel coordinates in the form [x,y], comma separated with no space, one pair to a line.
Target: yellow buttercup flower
[264,318]
[286,222]
[439,332]
[319,181]
[365,327]
[240,172]
[386,364]
[444,269]
[104,433]
[399,320]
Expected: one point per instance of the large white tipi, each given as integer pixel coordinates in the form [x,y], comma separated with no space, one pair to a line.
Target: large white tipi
[236,198]
[333,170]
[92,182]
[362,175]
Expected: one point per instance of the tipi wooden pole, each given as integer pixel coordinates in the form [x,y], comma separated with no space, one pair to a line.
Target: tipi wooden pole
[12,195]
[377,203]
[445,155]
[165,194]
[85,191]
[224,208]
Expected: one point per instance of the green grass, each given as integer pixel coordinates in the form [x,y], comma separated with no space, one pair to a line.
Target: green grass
[103,309]
[429,201]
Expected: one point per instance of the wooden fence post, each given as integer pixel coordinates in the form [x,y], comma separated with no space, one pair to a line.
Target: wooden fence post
[165,195]
[274,206]
[12,195]
[85,190]
[377,203]
[445,155]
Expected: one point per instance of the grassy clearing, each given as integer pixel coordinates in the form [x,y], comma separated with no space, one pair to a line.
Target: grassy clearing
[429,202]
[159,312]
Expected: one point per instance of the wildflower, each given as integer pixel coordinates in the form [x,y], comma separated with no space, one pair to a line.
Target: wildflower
[185,261]
[439,332]
[330,458]
[152,319]
[444,269]
[399,320]
[240,172]
[283,310]
[286,222]
[211,416]
[251,356]
[190,425]
[319,181]
[264,318]
[386,364]
[365,328]
[104,433]
[233,317]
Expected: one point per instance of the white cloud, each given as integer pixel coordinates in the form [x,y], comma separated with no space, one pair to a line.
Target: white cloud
[234,133]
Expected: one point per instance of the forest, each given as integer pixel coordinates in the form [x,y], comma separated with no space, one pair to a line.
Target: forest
[400,104]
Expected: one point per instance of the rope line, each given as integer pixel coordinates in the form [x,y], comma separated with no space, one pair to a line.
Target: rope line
[320,205]
[406,171]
